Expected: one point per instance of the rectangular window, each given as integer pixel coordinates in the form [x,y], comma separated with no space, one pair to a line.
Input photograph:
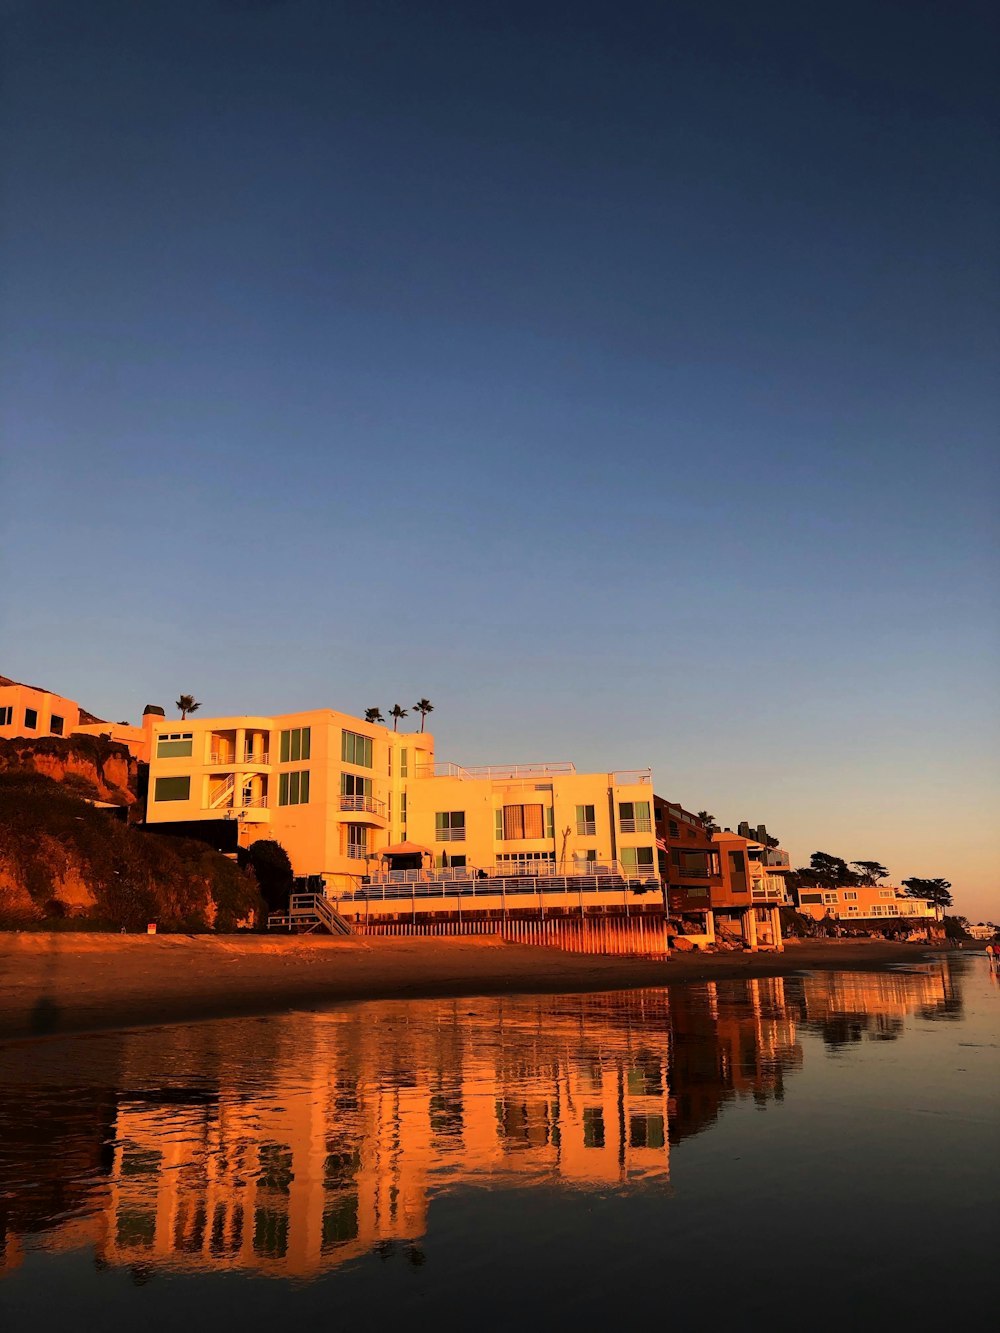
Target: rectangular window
[357,842]
[293,788]
[176,745]
[522,821]
[353,784]
[356,749]
[6,715]
[449,826]
[886,893]
[56,725]
[586,825]
[295,745]
[830,898]
[738,872]
[31,718]
[633,816]
[588,857]
[674,830]
[402,807]
[811,898]
[404,763]
[550,822]
[172,789]
[850,897]
[637,858]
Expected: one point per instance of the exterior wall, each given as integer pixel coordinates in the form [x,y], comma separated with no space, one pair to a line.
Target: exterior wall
[23,700]
[564,842]
[682,834]
[865,902]
[136,738]
[235,770]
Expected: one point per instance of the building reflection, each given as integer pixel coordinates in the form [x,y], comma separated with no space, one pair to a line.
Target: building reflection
[309,1141]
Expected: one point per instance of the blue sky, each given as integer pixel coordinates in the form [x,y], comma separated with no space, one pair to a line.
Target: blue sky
[622,378]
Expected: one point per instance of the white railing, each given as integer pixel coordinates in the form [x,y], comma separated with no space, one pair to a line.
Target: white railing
[632,777]
[586,828]
[223,759]
[503,887]
[497,771]
[356,853]
[511,870]
[217,797]
[255,803]
[449,835]
[365,804]
[642,825]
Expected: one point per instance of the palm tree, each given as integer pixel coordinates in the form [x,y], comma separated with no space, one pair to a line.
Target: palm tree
[374,715]
[187,703]
[423,707]
[709,821]
[395,712]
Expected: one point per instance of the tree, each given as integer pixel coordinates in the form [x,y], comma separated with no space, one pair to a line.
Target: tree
[187,703]
[270,864]
[423,707]
[870,872]
[709,821]
[826,872]
[935,891]
[374,715]
[396,713]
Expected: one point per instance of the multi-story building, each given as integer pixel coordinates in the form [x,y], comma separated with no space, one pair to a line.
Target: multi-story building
[368,811]
[866,903]
[29,712]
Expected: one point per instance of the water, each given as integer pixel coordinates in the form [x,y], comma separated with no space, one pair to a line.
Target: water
[814,1149]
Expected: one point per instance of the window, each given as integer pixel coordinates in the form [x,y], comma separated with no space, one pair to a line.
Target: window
[295,744]
[674,829]
[811,898]
[589,857]
[353,784]
[520,821]
[550,822]
[593,1127]
[887,893]
[524,857]
[293,788]
[404,763]
[449,826]
[637,858]
[172,789]
[56,725]
[357,842]
[175,745]
[694,865]
[355,749]
[586,825]
[445,859]
[402,807]
[633,816]
[6,715]
[31,718]
[830,898]
[852,909]
[850,897]
[738,872]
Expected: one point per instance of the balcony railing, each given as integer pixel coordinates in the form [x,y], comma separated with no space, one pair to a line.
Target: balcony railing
[495,771]
[632,777]
[222,758]
[586,828]
[449,835]
[356,853]
[642,825]
[364,804]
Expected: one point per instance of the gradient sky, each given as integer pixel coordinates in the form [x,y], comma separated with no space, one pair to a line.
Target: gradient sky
[622,377]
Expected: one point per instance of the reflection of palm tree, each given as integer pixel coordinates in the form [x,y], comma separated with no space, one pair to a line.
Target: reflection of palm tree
[423,707]
[395,712]
[187,703]
[374,715]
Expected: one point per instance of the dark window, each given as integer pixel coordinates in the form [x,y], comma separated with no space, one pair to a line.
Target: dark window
[31,718]
[674,830]
[56,725]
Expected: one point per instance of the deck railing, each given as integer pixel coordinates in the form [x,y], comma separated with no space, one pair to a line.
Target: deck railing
[363,804]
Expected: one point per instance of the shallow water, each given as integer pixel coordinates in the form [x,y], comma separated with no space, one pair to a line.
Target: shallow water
[725,1152]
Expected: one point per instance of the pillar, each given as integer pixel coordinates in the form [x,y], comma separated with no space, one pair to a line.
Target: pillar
[779,943]
[749,924]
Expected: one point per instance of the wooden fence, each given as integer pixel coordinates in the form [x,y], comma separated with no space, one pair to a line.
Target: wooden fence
[607,935]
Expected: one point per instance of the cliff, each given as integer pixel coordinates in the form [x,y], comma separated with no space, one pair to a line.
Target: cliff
[62,858]
[87,765]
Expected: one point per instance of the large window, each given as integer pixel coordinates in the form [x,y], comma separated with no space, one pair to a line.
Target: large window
[356,749]
[295,745]
[586,824]
[172,789]
[637,858]
[293,788]
[31,718]
[738,872]
[357,842]
[449,826]
[353,784]
[520,821]
[694,865]
[56,725]
[633,816]
[6,715]
[175,745]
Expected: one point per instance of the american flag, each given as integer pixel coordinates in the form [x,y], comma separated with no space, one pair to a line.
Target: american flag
[662,844]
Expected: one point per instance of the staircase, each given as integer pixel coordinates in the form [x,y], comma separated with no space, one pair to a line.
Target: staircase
[308,912]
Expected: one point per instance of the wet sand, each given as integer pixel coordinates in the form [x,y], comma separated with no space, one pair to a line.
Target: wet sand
[59,983]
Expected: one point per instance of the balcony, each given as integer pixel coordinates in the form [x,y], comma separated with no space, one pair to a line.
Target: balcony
[644,825]
[449,835]
[363,805]
[775,858]
[249,758]
[356,853]
[586,828]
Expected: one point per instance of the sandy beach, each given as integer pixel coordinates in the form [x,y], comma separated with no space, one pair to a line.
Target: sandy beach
[63,983]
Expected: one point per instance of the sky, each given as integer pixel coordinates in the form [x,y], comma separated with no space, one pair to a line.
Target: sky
[622,377]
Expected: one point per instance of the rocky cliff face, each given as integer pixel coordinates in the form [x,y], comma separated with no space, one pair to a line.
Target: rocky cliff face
[87,765]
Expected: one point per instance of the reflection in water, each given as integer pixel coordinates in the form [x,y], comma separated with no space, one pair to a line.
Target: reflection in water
[291,1145]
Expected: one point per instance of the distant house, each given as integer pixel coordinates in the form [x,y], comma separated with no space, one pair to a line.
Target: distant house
[865,904]
[29,712]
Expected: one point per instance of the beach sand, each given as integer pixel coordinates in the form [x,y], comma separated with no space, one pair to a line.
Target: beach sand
[58,983]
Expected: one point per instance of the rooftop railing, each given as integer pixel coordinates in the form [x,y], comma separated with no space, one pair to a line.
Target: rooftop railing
[493,771]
